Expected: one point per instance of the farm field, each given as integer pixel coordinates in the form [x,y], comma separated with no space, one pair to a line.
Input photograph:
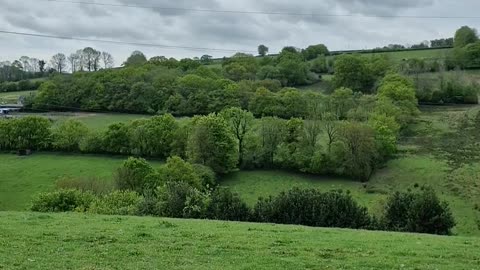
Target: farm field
[12,97]
[23,177]
[77,241]
[422,54]
[97,121]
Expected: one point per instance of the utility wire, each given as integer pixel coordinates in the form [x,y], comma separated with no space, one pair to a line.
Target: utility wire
[258,12]
[124,42]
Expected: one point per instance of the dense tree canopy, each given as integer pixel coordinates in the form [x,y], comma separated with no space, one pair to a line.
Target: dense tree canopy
[464,36]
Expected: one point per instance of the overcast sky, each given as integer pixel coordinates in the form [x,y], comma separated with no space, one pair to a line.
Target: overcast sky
[225,31]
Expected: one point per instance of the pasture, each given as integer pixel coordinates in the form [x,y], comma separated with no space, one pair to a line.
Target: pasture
[96,121]
[431,54]
[78,241]
[23,177]
[12,97]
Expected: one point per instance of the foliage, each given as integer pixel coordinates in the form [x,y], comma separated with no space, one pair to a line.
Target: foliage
[418,212]
[210,143]
[360,151]
[178,170]
[226,205]
[314,51]
[62,201]
[69,135]
[94,185]
[135,59]
[240,123]
[351,72]
[29,132]
[312,208]
[262,50]
[464,36]
[116,203]
[132,175]
[180,200]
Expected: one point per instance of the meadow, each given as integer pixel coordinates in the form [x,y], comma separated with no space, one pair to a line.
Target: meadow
[430,54]
[12,97]
[23,177]
[78,241]
[96,121]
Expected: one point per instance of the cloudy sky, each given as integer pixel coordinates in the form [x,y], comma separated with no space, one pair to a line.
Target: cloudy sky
[230,31]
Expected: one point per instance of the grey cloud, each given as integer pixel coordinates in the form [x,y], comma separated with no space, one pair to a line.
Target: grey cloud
[223,30]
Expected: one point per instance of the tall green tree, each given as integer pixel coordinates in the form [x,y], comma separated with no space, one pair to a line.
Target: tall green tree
[464,36]
[351,71]
[313,51]
[360,150]
[137,58]
[212,144]
[240,123]
[262,50]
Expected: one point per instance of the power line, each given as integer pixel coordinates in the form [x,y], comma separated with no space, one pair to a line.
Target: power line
[124,42]
[259,12]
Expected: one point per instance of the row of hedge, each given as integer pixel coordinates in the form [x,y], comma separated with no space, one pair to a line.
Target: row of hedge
[420,212]
[25,85]
[179,189]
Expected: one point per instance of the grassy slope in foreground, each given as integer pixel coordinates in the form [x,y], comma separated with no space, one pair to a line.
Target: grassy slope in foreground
[77,241]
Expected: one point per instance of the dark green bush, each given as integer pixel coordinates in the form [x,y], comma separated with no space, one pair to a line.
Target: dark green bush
[133,174]
[311,207]
[63,201]
[226,205]
[418,212]
[180,200]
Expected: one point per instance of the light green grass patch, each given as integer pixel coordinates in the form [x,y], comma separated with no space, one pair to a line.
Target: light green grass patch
[23,177]
[77,241]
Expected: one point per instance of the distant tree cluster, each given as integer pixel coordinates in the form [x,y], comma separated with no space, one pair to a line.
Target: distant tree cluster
[23,69]
[87,59]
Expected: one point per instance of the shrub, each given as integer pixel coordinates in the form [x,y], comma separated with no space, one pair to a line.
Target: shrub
[226,205]
[117,203]
[133,174]
[95,185]
[69,135]
[206,175]
[179,200]
[178,170]
[30,132]
[62,201]
[312,208]
[418,212]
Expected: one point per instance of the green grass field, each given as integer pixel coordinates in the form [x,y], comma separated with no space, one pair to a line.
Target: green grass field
[77,241]
[97,121]
[12,97]
[23,177]
[422,54]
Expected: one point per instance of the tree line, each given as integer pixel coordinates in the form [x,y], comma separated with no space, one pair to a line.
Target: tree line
[345,133]
[180,189]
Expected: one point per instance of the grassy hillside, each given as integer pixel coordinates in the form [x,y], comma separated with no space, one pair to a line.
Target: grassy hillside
[23,177]
[423,54]
[77,241]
